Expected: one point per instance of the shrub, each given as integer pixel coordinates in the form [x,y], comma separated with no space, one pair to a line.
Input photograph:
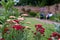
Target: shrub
[32,14]
[55,17]
[23,9]
[28,10]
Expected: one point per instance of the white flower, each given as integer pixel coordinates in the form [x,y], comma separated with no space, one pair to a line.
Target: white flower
[24,14]
[0,26]
[21,19]
[26,26]
[8,20]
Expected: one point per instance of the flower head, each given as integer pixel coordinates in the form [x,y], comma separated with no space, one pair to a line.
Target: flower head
[21,19]
[11,16]
[2,39]
[18,27]
[38,25]
[54,34]
[42,31]
[17,21]
[49,38]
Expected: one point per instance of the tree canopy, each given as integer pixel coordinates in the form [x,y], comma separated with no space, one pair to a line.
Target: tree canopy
[38,2]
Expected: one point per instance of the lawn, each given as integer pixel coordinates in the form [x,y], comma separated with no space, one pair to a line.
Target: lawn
[49,28]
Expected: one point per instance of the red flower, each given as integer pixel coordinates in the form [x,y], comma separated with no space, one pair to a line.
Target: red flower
[58,35]
[38,26]
[2,39]
[17,21]
[54,34]
[18,27]
[49,38]
[42,31]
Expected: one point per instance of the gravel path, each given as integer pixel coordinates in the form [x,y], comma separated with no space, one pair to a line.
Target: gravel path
[46,21]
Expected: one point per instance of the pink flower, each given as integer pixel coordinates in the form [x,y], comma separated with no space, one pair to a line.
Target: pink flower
[58,38]
[21,19]
[18,27]
[11,16]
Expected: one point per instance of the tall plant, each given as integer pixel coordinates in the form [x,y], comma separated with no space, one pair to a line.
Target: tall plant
[9,8]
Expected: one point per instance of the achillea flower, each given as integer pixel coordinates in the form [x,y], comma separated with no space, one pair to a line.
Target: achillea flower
[18,27]
[12,17]
[2,39]
[58,35]
[42,31]
[21,19]
[38,26]
[0,26]
[27,27]
[49,38]
[54,34]
[9,21]
[17,21]
[24,14]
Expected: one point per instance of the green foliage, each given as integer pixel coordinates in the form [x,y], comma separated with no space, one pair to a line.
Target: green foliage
[33,14]
[38,2]
[57,27]
[56,17]
[9,9]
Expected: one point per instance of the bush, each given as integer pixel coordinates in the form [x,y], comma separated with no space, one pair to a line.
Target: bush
[55,17]
[28,10]
[32,14]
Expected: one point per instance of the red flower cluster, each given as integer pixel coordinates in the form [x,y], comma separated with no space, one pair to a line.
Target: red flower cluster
[54,34]
[49,38]
[17,21]
[18,27]
[40,29]
[2,39]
